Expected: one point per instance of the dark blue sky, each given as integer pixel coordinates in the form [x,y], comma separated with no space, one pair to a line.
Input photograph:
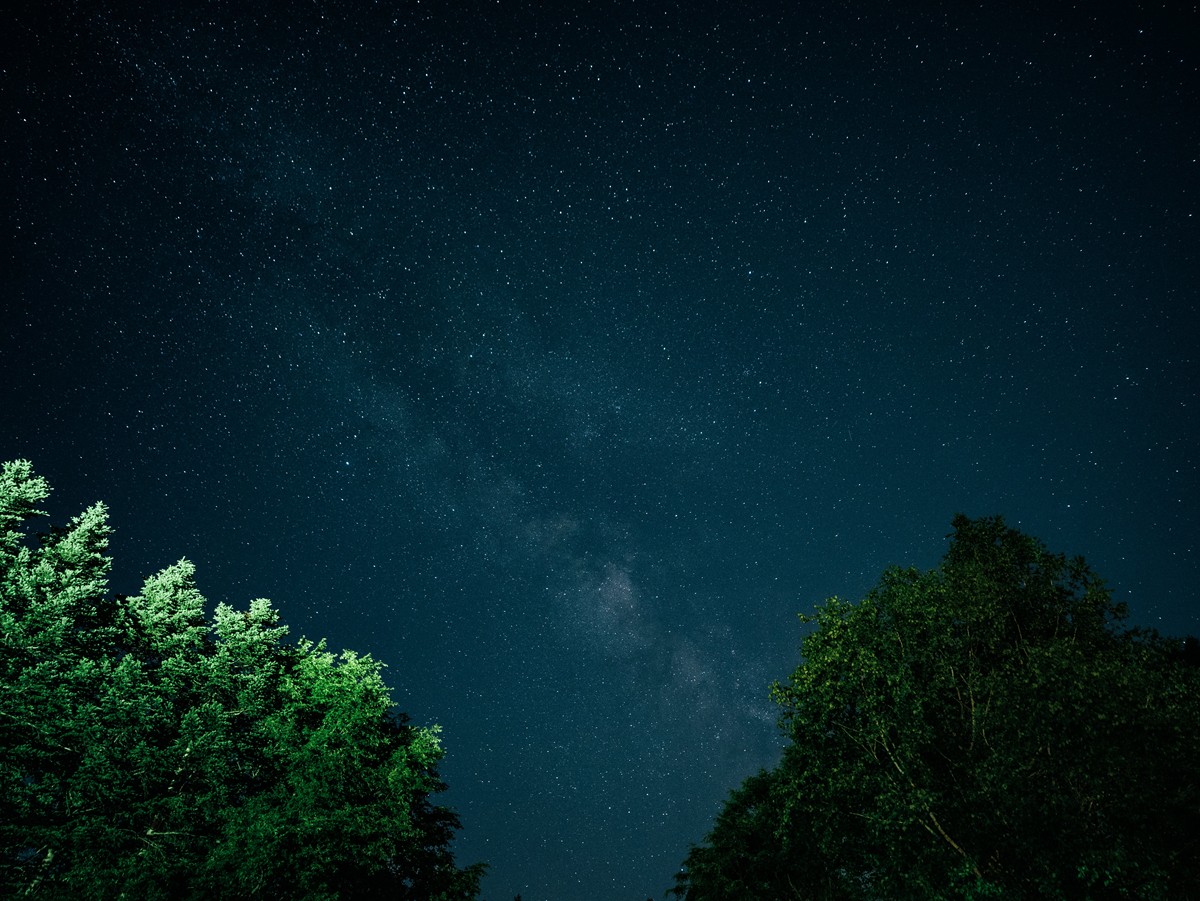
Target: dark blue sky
[559,354]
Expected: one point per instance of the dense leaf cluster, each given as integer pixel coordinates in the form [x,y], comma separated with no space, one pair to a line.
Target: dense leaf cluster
[147,752]
[989,729]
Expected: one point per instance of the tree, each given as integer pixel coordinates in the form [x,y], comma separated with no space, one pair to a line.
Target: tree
[987,729]
[147,752]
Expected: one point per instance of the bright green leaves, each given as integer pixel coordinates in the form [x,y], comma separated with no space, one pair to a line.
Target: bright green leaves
[336,753]
[20,493]
[248,635]
[148,753]
[986,729]
[169,612]
[58,627]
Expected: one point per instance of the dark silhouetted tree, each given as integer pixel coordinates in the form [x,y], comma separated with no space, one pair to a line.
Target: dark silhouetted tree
[988,729]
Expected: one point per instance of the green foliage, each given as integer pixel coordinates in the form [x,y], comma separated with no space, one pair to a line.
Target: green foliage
[989,729]
[147,753]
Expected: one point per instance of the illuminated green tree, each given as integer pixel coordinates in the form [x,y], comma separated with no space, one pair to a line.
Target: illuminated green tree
[989,729]
[145,752]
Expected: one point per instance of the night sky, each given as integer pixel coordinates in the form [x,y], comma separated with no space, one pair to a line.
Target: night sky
[559,354]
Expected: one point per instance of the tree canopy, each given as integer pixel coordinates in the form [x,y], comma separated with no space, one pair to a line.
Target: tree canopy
[147,751]
[988,729]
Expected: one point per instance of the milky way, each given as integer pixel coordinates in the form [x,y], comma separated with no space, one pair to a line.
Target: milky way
[560,359]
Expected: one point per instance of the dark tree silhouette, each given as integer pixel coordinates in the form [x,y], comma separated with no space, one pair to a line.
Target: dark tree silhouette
[988,729]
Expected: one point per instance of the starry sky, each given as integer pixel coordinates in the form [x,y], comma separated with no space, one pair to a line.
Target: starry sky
[559,354]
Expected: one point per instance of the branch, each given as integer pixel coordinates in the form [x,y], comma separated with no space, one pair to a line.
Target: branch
[933,817]
[37,728]
[953,844]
